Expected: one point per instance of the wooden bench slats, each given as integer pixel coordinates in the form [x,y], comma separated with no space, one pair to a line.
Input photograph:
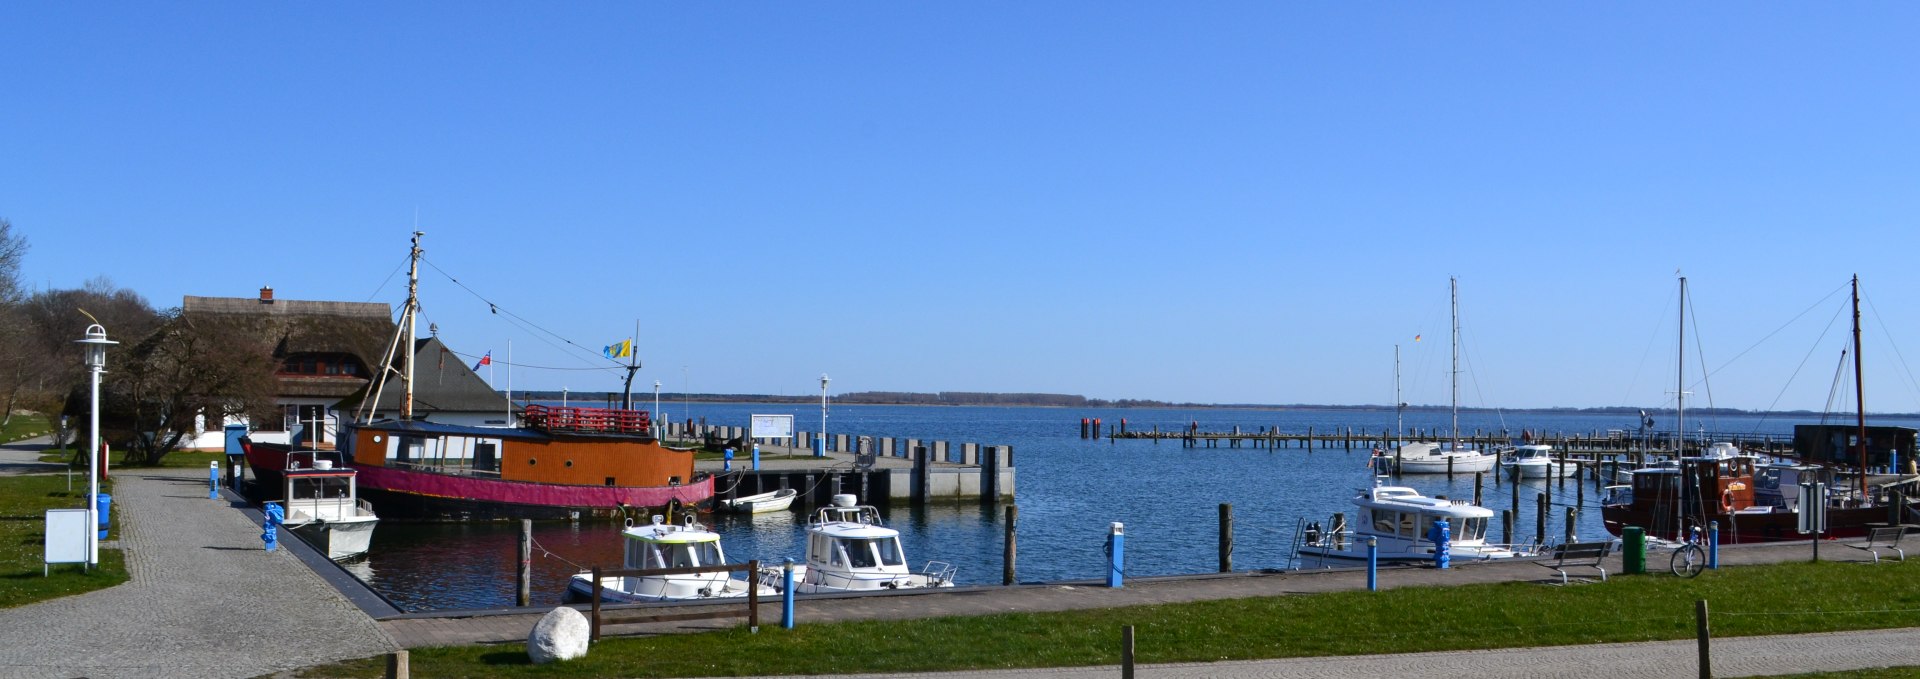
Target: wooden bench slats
[1588,554]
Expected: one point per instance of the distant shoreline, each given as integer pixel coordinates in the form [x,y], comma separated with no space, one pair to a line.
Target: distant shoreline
[1067,401]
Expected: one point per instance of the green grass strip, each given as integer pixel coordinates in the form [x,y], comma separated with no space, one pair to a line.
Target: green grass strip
[24,501]
[1753,600]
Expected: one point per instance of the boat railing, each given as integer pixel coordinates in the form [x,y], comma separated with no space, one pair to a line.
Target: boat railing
[311,459]
[588,420]
[865,514]
[938,573]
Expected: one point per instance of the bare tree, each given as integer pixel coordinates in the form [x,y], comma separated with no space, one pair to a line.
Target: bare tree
[180,372]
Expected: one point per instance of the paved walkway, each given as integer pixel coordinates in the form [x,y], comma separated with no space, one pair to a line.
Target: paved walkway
[23,457]
[1732,657]
[204,599]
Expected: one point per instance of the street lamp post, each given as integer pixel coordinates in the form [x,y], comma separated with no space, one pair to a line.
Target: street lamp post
[656,409]
[94,346]
[821,450]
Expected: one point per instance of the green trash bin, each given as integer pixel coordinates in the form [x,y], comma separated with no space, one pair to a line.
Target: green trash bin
[1633,550]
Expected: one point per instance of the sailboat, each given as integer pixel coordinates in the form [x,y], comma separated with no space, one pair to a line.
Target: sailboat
[1423,457]
[1752,501]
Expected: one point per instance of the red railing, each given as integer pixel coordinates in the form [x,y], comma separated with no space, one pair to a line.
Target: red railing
[588,420]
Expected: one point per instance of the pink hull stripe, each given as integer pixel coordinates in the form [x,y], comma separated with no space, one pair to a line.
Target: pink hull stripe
[526,493]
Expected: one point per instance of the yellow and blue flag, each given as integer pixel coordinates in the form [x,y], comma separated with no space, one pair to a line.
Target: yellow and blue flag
[620,349]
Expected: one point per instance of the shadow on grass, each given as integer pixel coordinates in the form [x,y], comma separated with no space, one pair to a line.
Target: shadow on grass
[506,658]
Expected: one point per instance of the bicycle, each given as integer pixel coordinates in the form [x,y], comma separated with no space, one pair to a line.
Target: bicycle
[1690,558]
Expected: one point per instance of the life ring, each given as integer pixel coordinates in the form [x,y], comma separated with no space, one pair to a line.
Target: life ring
[1726,501]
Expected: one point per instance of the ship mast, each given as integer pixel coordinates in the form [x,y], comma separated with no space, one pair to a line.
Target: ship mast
[1453,287]
[1859,390]
[412,326]
[1680,380]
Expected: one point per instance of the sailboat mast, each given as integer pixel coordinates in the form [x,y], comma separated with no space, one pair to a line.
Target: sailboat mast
[1859,390]
[1453,286]
[412,325]
[1399,406]
[1680,380]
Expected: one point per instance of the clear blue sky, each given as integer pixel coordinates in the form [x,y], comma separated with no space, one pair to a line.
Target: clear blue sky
[1212,202]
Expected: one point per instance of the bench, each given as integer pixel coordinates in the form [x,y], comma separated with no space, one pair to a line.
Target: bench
[1588,554]
[1883,538]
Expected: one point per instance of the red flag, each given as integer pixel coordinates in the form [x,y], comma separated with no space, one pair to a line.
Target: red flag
[484,360]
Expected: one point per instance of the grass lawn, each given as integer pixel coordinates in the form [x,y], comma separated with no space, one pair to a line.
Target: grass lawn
[24,427]
[1755,600]
[23,504]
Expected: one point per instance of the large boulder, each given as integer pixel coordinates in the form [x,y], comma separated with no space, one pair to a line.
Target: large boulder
[561,634]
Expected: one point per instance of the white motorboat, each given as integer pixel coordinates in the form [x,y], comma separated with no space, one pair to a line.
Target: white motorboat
[1430,458]
[666,545]
[323,504]
[850,550]
[1536,462]
[774,501]
[1401,520]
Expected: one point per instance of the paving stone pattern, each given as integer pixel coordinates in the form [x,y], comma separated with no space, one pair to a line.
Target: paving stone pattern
[204,600]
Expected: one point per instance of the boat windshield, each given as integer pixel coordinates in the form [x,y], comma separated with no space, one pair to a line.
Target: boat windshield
[679,555]
[870,552]
[1458,529]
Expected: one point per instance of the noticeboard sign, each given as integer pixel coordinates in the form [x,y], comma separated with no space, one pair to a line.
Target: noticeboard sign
[772,427]
[66,540]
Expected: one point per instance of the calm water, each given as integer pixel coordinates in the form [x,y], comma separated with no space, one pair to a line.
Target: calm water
[1069,490]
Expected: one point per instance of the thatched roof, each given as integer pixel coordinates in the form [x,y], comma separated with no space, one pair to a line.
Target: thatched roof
[442,381]
[359,329]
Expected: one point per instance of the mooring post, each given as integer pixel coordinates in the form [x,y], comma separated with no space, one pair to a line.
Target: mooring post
[1713,545]
[523,570]
[1450,468]
[753,596]
[1506,524]
[786,594]
[1579,493]
[397,666]
[1478,478]
[1373,564]
[922,476]
[1013,521]
[1540,518]
[1701,631]
[1226,537]
[1515,498]
[1572,514]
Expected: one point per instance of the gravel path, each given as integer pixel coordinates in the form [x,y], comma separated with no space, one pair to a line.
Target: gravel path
[204,600]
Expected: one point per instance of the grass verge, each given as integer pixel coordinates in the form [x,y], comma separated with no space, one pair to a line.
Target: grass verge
[24,427]
[1754,600]
[24,501]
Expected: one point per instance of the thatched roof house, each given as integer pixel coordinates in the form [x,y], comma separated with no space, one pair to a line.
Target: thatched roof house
[326,350]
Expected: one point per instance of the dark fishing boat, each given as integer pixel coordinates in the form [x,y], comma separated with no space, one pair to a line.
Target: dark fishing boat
[1754,500]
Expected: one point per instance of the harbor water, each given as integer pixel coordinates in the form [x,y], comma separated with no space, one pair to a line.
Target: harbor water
[1068,492]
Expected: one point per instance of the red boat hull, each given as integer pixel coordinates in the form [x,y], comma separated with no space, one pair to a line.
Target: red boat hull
[411,494]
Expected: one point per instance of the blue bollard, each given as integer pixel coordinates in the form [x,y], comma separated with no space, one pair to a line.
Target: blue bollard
[1373,564]
[1116,554]
[726,460]
[213,480]
[1442,536]
[756,457]
[274,517]
[786,595]
[1713,545]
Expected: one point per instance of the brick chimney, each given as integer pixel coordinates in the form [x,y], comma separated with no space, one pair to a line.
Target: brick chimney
[266,295]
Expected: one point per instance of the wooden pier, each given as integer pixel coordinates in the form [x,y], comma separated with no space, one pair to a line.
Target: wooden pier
[1351,438]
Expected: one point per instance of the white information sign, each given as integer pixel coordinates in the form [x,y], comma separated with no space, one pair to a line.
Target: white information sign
[66,540]
[772,426]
